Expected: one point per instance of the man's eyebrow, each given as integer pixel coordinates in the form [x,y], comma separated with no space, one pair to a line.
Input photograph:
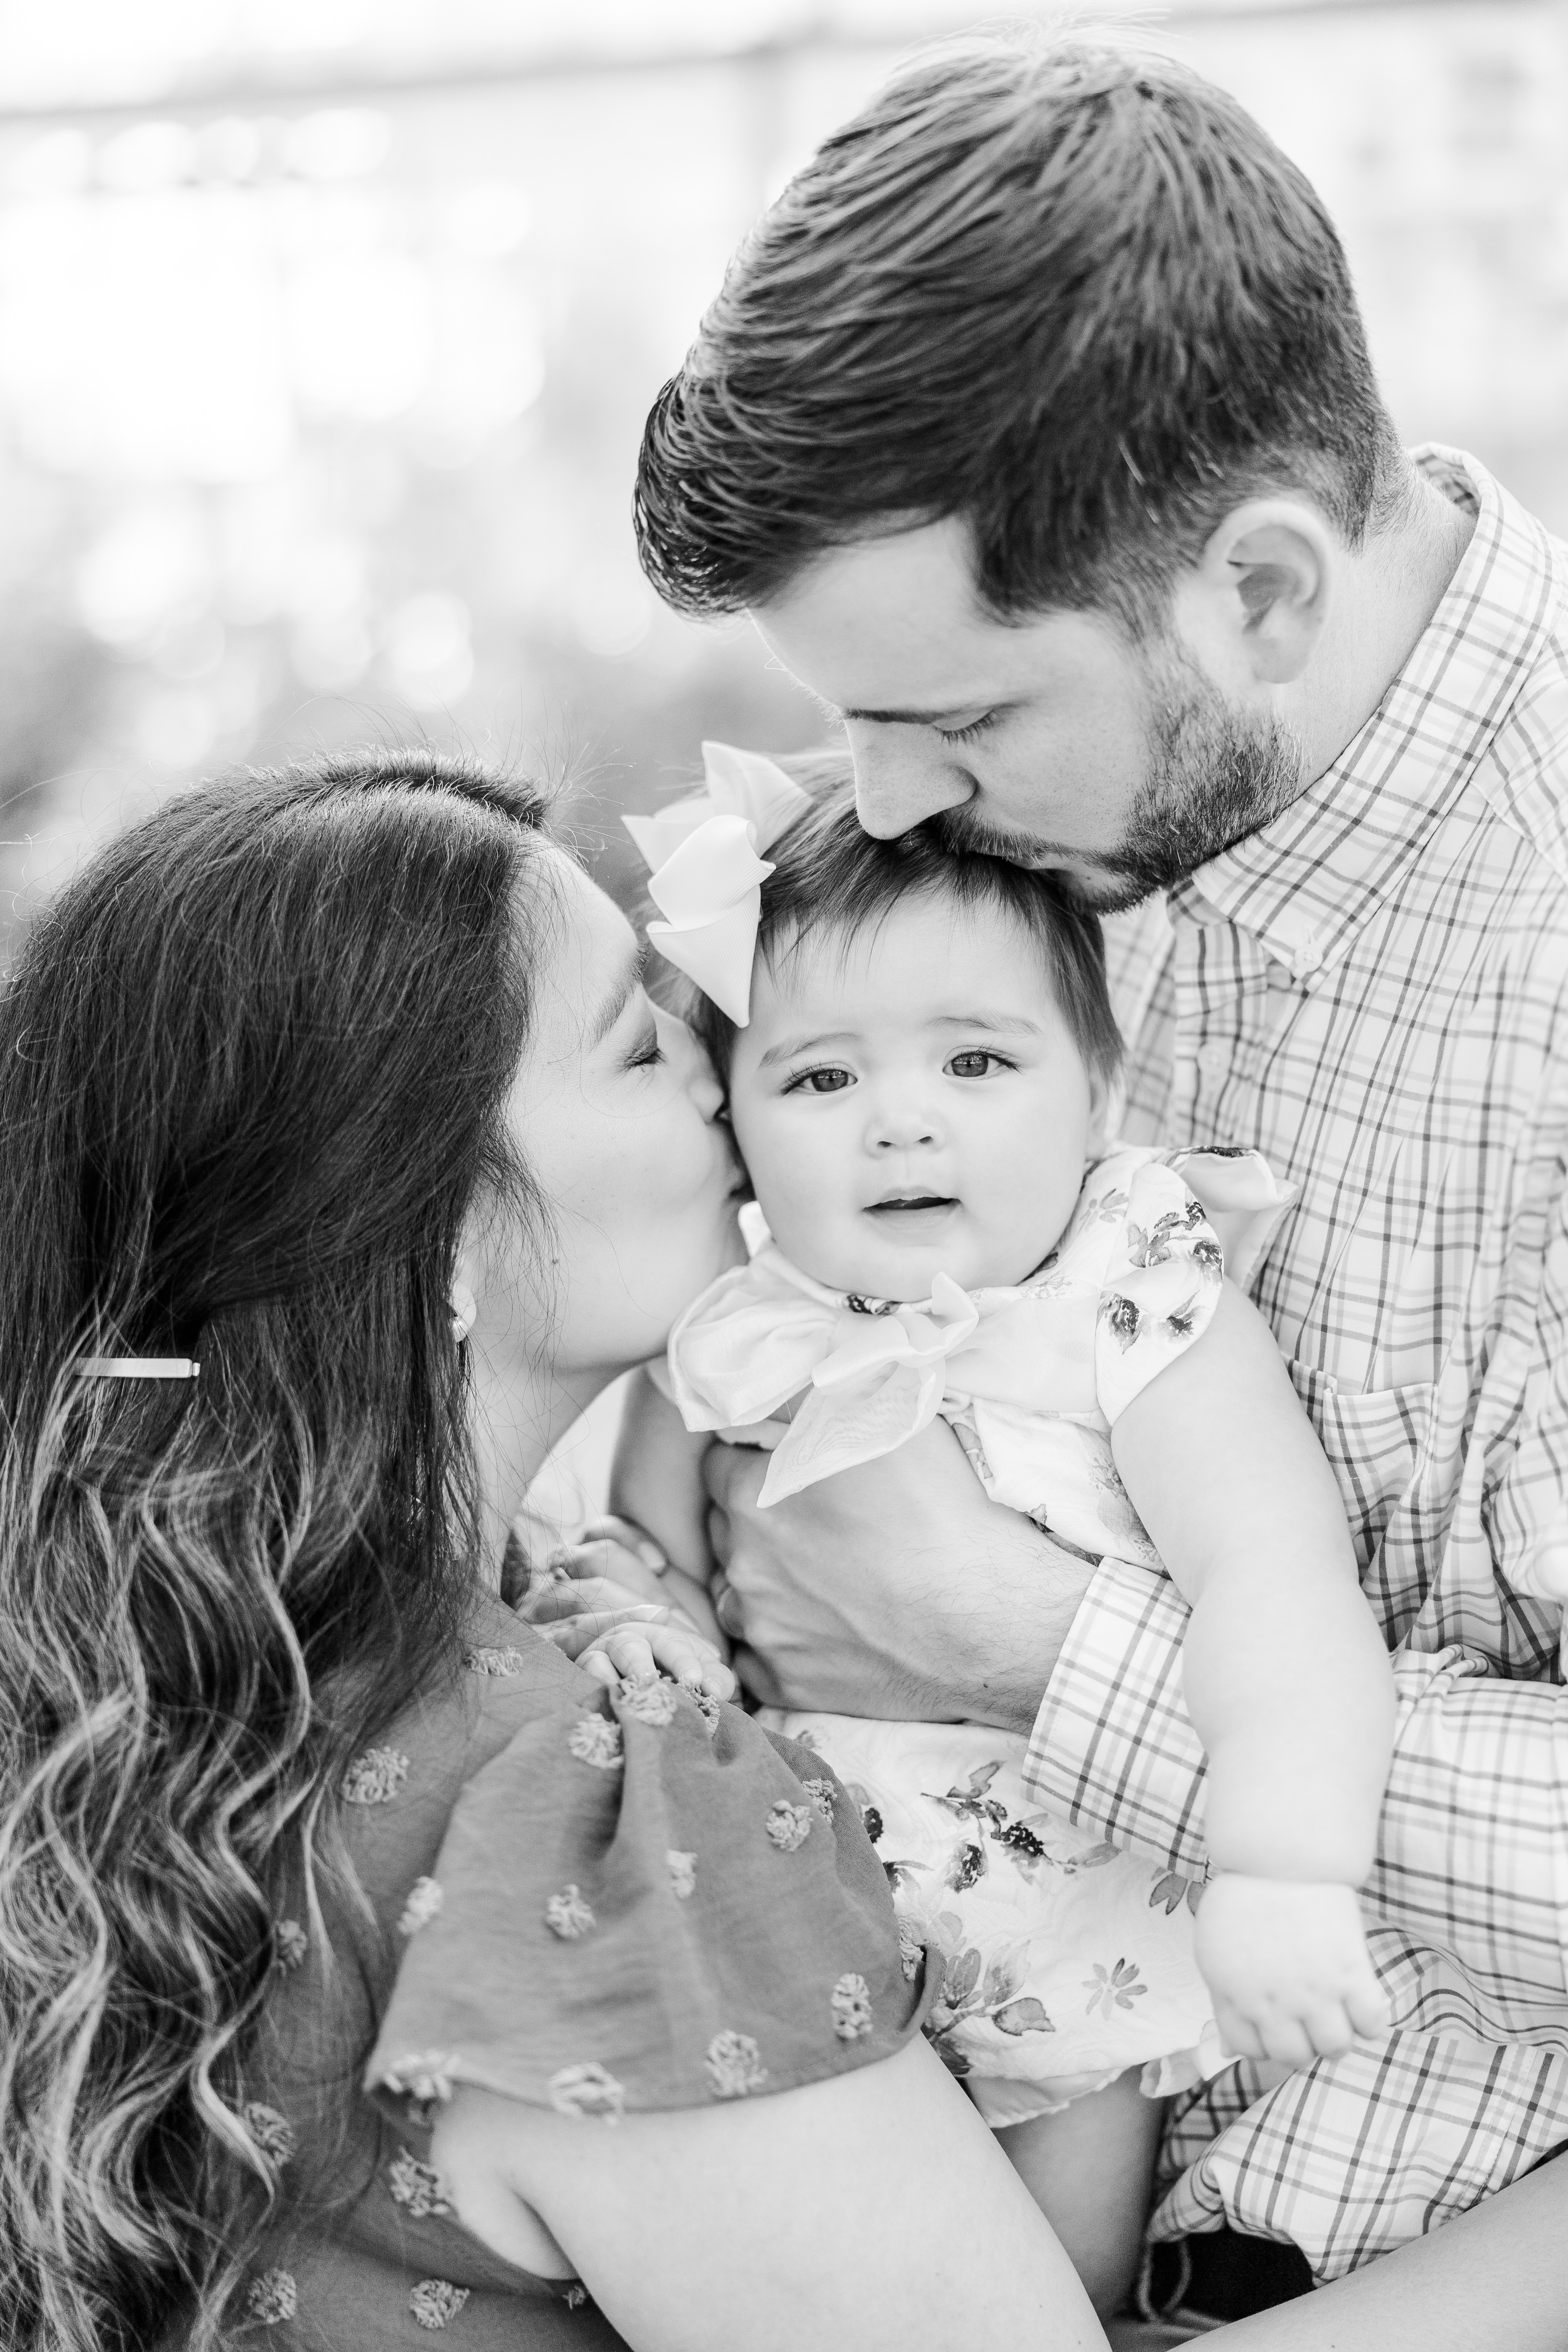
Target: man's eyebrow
[616,1003]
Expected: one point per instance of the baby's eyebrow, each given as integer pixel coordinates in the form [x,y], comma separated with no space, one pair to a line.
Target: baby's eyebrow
[1008,1024]
[998,1025]
[788,1047]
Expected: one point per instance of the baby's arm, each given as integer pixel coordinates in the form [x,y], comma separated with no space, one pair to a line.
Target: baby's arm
[1287,1679]
[655,1480]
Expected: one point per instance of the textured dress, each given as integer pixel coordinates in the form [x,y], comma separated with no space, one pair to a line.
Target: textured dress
[598,1904]
[1064,1961]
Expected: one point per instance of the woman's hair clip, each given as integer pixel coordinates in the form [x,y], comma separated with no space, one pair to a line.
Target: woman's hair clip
[708,870]
[138,1368]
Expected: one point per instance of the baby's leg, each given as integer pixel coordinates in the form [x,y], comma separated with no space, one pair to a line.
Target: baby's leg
[1091,2170]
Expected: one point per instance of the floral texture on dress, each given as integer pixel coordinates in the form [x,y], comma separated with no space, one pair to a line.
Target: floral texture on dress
[593,1739]
[733,2065]
[375,1778]
[273,2298]
[567,1914]
[424,2076]
[272,2132]
[424,1904]
[682,1870]
[851,2005]
[436,2300]
[485,1660]
[417,2187]
[788,1826]
[707,1707]
[588,2089]
[650,1699]
[289,1944]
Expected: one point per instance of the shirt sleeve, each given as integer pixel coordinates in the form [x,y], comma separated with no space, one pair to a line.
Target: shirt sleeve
[1160,1282]
[642,1904]
[1473,1844]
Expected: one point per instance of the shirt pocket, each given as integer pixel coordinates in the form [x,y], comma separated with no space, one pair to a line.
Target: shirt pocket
[1375,1442]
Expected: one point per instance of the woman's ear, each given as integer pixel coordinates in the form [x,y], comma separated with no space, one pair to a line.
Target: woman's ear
[467,1280]
[1253,607]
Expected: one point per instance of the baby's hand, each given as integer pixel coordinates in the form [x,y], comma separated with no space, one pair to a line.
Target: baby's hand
[1288,1968]
[613,1565]
[637,1652]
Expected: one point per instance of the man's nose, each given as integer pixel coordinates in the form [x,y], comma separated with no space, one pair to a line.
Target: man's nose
[901,779]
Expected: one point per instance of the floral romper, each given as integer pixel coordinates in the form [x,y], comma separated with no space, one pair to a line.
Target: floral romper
[1065,1961]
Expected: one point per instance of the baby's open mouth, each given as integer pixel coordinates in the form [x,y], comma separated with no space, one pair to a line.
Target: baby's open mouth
[910,1205]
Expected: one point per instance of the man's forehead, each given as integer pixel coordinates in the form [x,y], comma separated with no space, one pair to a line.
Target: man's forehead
[891,631]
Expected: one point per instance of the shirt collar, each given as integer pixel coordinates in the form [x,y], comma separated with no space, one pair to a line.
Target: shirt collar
[1306,882]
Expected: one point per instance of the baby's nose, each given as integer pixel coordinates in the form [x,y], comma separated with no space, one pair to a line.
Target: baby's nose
[903,1131]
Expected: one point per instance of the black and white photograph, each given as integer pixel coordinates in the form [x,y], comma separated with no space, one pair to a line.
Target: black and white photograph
[783,1175]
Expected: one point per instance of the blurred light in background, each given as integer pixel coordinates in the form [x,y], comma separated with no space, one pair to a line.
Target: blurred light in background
[327,326]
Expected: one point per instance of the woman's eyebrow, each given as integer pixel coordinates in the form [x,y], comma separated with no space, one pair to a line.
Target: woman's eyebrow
[616,1003]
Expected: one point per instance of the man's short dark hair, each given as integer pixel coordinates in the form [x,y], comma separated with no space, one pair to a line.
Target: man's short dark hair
[831,877]
[1069,293]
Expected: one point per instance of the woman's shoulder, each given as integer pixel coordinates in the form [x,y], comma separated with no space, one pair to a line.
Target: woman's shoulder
[398,1792]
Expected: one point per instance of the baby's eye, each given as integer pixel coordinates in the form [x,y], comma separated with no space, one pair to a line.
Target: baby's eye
[821,1082]
[975,1064]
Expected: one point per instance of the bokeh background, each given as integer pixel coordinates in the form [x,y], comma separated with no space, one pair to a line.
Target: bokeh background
[327,328]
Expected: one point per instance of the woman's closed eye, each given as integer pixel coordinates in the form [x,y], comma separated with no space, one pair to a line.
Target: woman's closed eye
[645,1050]
[977,1061]
[829,1080]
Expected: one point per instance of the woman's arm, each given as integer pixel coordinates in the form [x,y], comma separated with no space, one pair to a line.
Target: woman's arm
[873,2212]
[1491,2281]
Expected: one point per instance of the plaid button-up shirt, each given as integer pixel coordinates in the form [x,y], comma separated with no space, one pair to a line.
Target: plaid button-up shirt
[1373,992]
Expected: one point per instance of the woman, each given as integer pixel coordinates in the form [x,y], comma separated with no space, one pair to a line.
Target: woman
[344,1160]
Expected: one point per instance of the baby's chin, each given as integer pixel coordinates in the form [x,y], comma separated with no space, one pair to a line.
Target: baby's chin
[907,1275]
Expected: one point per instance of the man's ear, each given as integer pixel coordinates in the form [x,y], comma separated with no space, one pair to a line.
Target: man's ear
[1254,605]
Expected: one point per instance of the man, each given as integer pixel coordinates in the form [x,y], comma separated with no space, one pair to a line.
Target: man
[1034,427]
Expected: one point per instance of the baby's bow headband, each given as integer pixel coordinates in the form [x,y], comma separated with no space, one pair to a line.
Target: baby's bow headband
[704,857]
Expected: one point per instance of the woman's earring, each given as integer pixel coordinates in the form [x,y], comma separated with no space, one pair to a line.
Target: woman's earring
[465,1307]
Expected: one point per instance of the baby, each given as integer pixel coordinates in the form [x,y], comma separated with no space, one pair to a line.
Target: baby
[920,1062]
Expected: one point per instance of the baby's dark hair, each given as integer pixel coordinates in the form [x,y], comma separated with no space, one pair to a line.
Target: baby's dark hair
[829,875]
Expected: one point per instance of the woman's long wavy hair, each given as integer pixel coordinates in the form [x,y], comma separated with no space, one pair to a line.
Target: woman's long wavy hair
[253,1069]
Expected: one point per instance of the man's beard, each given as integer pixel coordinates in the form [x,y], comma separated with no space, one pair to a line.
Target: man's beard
[1213,776]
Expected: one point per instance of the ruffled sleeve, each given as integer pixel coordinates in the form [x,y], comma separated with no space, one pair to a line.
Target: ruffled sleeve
[1160,1284]
[641,1904]
[1243,1199]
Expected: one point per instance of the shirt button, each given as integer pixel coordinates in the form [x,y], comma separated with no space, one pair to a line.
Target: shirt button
[1306,960]
[1214,1057]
